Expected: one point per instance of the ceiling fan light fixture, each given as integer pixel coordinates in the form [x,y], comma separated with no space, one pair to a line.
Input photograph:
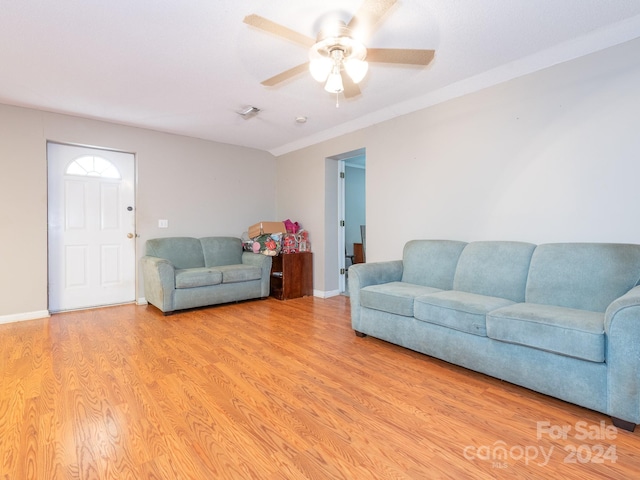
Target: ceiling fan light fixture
[334,82]
[356,69]
[320,67]
[333,52]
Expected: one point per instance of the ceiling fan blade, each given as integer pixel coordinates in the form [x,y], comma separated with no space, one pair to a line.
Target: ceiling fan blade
[286,75]
[351,89]
[400,55]
[369,14]
[279,30]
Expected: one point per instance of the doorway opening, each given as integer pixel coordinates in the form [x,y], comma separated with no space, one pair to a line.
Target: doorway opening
[351,213]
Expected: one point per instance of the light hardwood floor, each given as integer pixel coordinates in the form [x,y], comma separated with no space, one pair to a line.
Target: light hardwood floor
[273,390]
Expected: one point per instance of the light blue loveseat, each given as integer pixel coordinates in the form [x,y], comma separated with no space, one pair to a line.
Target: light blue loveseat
[561,319]
[185,272]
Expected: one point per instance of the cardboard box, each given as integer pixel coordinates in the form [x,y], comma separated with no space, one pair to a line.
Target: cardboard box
[261,228]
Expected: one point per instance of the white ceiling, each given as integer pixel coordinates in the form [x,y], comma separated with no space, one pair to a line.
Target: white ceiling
[187,66]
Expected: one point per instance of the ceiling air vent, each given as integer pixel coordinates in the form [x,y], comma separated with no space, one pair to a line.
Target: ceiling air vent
[248,112]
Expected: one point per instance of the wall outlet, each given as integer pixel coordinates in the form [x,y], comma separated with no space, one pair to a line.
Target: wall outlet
[163,223]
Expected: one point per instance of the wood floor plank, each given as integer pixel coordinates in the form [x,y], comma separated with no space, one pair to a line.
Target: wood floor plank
[271,390]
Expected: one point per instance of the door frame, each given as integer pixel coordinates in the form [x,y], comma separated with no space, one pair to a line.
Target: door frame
[338,221]
[135,212]
[342,259]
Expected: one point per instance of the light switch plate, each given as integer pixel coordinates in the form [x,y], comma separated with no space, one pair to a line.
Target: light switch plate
[163,223]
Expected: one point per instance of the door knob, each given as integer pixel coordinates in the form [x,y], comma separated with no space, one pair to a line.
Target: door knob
[129,235]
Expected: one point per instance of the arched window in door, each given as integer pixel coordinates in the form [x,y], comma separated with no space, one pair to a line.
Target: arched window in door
[92,166]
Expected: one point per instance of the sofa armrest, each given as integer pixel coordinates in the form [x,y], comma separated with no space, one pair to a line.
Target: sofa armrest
[364,274]
[264,262]
[628,300]
[159,277]
[622,330]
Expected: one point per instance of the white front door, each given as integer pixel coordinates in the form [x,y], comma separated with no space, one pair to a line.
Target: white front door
[91,227]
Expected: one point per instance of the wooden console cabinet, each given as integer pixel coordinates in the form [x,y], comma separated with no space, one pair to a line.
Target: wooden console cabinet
[358,253]
[292,275]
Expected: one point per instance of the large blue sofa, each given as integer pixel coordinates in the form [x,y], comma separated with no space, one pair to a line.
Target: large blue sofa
[186,272]
[562,319]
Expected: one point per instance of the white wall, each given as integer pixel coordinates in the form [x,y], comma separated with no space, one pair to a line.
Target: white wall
[202,188]
[23,214]
[552,156]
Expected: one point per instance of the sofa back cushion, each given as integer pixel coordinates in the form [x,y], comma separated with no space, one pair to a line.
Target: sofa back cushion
[586,276]
[182,252]
[431,263]
[495,269]
[219,251]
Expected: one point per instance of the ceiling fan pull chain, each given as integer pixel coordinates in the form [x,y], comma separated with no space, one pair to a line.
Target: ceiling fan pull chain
[337,99]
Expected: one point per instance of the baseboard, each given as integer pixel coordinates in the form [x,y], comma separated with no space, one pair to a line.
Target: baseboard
[323,294]
[142,301]
[21,317]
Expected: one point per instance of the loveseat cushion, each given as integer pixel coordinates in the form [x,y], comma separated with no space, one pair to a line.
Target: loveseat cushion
[393,297]
[221,251]
[461,311]
[198,277]
[239,273]
[567,331]
[182,252]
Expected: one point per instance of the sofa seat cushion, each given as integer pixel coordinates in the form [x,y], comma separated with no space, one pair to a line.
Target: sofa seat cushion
[239,273]
[567,331]
[461,311]
[393,297]
[198,277]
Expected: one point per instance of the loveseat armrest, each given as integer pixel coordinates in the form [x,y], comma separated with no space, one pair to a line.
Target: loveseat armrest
[264,262]
[159,278]
[622,331]
[364,274]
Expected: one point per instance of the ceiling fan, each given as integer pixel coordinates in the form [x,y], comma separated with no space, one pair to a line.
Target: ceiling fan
[337,57]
